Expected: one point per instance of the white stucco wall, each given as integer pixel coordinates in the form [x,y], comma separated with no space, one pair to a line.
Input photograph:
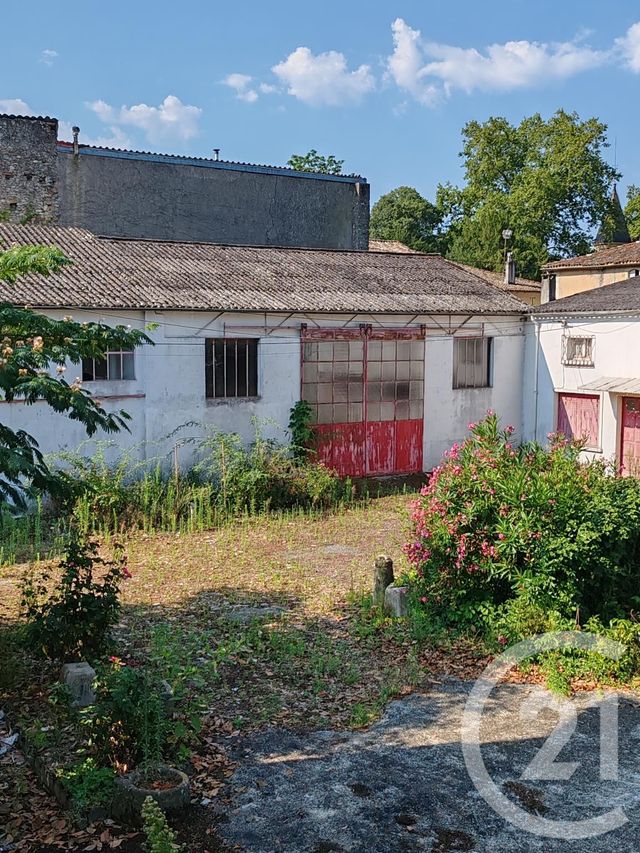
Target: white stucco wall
[617,354]
[167,398]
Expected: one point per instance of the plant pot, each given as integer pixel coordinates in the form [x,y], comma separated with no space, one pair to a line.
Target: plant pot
[166,785]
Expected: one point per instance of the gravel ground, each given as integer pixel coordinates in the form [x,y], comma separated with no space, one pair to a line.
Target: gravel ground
[402,785]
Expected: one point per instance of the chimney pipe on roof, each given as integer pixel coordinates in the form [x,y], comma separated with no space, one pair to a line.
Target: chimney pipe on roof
[216,154]
[510,269]
[76,131]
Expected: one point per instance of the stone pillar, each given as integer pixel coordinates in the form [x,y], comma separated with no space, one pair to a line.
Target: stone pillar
[28,168]
[382,577]
[79,678]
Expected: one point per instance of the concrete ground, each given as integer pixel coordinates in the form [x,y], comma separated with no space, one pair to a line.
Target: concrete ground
[402,785]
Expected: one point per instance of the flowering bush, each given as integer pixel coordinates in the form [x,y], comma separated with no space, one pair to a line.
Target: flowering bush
[73,621]
[508,537]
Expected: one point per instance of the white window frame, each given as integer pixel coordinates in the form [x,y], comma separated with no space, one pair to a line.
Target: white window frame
[107,371]
[485,346]
[569,346]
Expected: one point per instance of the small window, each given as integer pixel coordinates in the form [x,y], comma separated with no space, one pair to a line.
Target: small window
[118,364]
[231,367]
[633,273]
[578,351]
[552,288]
[472,362]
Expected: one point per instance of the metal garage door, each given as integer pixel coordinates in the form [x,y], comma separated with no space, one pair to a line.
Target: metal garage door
[366,390]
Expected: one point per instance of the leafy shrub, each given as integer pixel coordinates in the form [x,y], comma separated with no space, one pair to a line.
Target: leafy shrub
[88,784]
[74,620]
[517,540]
[265,476]
[300,430]
[128,723]
[228,479]
[160,837]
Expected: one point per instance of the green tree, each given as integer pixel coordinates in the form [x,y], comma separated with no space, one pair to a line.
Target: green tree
[632,211]
[314,162]
[404,215]
[31,345]
[546,180]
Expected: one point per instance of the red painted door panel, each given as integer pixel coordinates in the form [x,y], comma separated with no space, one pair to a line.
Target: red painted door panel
[408,446]
[630,440]
[342,447]
[381,448]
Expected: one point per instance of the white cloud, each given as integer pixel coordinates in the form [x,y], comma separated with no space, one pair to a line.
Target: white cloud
[430,70]
[170,120]
[15,106]
[629,45]
[405,64]
[48,56]
[323,79]
[241,85]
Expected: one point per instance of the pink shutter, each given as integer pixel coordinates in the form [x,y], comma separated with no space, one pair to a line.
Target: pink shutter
[579,417]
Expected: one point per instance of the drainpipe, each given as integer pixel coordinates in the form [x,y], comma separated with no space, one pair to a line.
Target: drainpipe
[535,382]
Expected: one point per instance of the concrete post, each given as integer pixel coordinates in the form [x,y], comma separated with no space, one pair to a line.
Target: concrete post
[382,577]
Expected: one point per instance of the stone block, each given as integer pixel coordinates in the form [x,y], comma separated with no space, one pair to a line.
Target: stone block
[79,678]
[396,601]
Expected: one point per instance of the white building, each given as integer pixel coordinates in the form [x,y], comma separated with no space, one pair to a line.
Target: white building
[582,371]
[395,352]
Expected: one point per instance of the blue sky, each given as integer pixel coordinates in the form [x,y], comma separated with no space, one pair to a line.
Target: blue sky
[385,85]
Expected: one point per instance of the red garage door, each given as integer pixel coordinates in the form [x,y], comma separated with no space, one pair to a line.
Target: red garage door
[365,388]
[630,438]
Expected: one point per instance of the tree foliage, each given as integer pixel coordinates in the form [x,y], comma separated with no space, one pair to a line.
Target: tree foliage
[314,162]
[546,180]
[632,211]
[34,352]
[404,215]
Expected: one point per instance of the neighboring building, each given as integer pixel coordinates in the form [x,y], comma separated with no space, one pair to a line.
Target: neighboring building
[525,289]
[587,272]
[582,372]
[522,288]
[391,246]
[395,352]
[161,196]
[615,256]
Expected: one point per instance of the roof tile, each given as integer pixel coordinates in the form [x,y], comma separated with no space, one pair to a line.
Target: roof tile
[149,274]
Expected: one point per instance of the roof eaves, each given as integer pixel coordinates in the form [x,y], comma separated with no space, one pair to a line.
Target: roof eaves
[207,163]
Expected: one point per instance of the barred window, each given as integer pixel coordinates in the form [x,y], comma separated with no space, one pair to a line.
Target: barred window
[472,362]
[577,351]
[231,367]
[118,364]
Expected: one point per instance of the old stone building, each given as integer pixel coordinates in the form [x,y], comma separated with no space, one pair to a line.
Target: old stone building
[165,197]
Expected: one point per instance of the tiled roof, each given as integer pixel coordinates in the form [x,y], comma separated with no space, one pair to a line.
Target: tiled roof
[617,256]
[112,273]
[497,280]
[28,118]
[390,246]
[611,298]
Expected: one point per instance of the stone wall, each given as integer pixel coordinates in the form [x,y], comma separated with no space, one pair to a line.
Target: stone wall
[28,169]
[155,196]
